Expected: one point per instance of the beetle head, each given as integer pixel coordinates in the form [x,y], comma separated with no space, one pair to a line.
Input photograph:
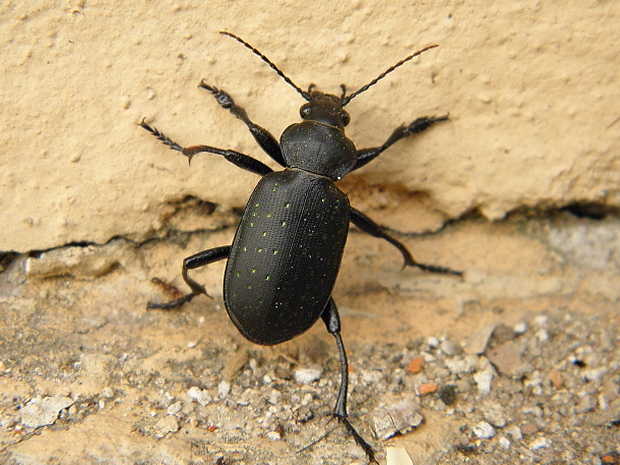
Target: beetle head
[324,108]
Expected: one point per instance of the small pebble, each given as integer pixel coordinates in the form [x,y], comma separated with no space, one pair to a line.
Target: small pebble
[44,411]
[555,378]
[307,399]
[504,443]
[460,365]
[484,430]
[223,389]
[304,414]
[541,321]
[477,344]
[175,408]
[595,374]
[274,396]
[542,335]
[415,365]
[307,375]
[514,431]
[397,456]
[274,435]
[483,380]
[398,418]
[448,348]
[201,396]
[494,414]
[586,404]
[540,443]
[426,388]
[507,357]
[520,328]
[166,425]
[371,376]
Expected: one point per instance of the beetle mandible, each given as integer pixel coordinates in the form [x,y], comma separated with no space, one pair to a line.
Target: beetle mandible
[286,254]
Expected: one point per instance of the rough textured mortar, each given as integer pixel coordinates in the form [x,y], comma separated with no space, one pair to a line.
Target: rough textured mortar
[532,90]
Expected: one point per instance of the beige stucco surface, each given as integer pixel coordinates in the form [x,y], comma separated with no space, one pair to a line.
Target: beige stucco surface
[531,87]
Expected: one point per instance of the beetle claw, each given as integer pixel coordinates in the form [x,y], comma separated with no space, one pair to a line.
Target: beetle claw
[438,269]
[172,304]
[370,453]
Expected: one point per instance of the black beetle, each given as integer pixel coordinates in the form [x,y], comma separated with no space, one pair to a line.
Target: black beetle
[284,259]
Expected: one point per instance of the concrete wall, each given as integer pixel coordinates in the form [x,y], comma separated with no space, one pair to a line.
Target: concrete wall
[531,87]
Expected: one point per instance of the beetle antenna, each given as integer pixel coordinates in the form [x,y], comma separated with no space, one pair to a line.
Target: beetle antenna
[304,94]
[344,100]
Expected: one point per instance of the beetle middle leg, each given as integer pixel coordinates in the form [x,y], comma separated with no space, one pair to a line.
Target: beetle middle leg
[367,225]
[190,263]
[365,156]
[332,322]
[236,158]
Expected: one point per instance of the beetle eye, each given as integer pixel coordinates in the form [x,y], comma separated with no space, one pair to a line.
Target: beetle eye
[346,119]
[305,110]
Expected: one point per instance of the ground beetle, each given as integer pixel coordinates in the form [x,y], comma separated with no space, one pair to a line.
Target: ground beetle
[284,259]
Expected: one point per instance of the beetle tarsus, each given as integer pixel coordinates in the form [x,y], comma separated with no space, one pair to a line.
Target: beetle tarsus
[370,453]
[161,136]
[196,288]
[223,98]
[424,123]
[239,159]
[172,304]
[365,156]
[438,269]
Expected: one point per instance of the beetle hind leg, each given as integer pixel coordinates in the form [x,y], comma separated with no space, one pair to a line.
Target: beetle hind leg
[332,322]
[367,225]
[192,262]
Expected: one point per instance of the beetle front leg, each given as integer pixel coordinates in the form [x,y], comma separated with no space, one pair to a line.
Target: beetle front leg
[236,158]
[332,322]
[365,156]
[190,263]
[263,137]
[367,225]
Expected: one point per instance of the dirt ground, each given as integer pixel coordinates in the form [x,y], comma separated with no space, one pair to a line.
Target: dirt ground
[519,362]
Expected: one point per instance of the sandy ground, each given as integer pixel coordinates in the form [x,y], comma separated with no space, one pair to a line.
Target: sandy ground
[517,362]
